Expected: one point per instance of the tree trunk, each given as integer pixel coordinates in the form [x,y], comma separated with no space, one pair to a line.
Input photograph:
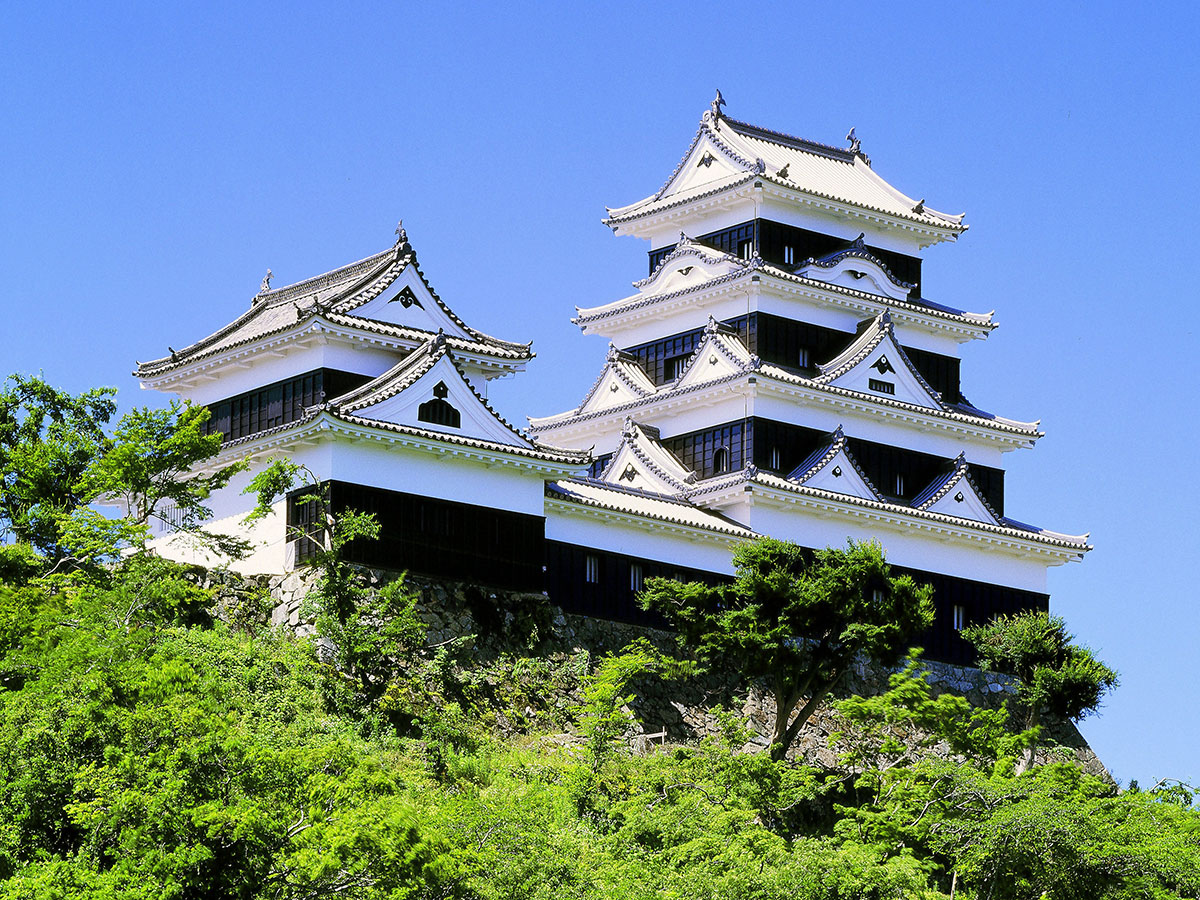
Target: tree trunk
[785,733]
[784,704]
[1025,761]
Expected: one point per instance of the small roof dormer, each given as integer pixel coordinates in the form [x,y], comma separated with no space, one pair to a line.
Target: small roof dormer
[876,365]
[855,267]
[641,462]
[833,468]
[955,494]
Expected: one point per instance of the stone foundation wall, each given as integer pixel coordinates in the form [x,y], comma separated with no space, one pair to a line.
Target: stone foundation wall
[506,622]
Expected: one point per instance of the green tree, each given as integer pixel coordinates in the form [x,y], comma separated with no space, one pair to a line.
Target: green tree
[1056,676]
[154,461]
[48,440]
[796,619]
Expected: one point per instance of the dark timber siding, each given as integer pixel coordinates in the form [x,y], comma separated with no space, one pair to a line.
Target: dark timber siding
[797,346]
[780,447]
[612,595]
[770,239]
[278,403]
[438,537]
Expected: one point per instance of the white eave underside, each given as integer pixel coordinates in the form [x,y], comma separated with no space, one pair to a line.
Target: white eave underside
[1003,431]
[351,329]
[320,424]
[1064,546]
[639,306]
[648,509]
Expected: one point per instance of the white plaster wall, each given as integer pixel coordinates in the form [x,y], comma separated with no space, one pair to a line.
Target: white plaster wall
[441,475]
[656,545]
[262,369]
[904,546]
[268,538]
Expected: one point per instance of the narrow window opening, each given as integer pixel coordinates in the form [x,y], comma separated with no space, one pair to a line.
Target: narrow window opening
[592,569]
[789,255]
[438,411]
[721,460]
[746,249]
[883,387]
[899,484]
[673,366]
[803,359]
[776,458]
[636,579]
[877,595]
[960,618]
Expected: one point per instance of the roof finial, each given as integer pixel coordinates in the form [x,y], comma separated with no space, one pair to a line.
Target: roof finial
[401,234]
[715,107]
[920,207]
[854,142]
[266,283]
[860,242]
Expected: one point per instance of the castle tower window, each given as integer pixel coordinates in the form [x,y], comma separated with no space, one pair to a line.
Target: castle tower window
[438,411]
[673,366]
[803,358]
[592,569]
[720,460]
[960,617]
[789,256]
[746,249]
[776,458]
[636,577]
[899,484]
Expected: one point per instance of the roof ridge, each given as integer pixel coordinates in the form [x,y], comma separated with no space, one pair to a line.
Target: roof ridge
[841,154]
[851,358]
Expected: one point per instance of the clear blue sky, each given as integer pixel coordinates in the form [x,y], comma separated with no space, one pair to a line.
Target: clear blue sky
[155,159]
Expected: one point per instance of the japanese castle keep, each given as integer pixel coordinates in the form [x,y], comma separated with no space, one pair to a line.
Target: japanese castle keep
[778,371]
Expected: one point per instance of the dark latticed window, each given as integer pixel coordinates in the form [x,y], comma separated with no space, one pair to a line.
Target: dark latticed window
[438,410]
[279,403]
[428,536]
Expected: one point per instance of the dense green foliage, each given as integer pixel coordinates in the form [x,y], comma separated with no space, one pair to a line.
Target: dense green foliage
[155,743]
[841,603]
[149,750]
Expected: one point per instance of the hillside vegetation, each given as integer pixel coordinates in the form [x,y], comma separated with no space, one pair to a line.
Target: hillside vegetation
[148,749]
[159,742]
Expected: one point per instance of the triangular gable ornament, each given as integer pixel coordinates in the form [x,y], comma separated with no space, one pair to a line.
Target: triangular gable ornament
[720,354]
[955,494]
[642,463]
[875,364]
[435,396]
[832,468]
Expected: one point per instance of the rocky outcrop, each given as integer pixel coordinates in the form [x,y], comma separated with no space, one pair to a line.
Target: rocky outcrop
[498,623]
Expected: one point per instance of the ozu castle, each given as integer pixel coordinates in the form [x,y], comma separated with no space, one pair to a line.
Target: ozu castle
[778,371]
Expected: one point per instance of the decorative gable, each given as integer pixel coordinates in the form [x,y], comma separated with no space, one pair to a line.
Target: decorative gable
[874,364]
[621,381]
[641,462]
[708,160]
[857,268]
[690,264]
[955,494]
[428,391]
[832,468]
[721,353]
[408,302]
